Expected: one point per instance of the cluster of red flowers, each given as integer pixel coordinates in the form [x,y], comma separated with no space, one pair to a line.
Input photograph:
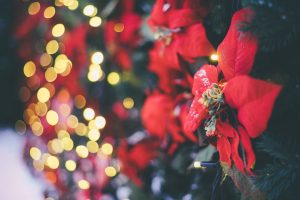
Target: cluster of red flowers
[227,106]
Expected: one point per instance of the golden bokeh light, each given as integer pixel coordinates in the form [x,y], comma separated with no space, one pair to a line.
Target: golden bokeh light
[82,151]
[197,164]
[35,153]
[20,127]
[107,149]
[94,134]
[52,47]
[119,27]
[50,74]
[37,128]
[128,103]
[81,129]
[95,21]
[52,162]
[110,171]
[72,121]
[97,57]
[113,78]
[70,165]
[58,30]
[88,113]
[41,109]
[79,101]
[34,8]
[29,69]
[100,122]
[90,10]
[43,95]
[214,57]
[45,59]
[83,184]
[49,12]
[92,146]
[38,165]
[74,5]
[67,143]
[52,117]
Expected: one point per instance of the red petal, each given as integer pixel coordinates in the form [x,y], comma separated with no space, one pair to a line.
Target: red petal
[197,113]
[225,129]
[224,149]
[235,152]
[246,143]
[207,75]
[238,49]
[182,116]
[254,99]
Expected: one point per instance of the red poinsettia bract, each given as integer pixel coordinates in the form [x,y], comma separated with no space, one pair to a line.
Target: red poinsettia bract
[252,99]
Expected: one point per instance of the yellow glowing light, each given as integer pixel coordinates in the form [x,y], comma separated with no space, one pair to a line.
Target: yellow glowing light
[72,121]
[81,129]
[52,47]
[49,12]
[197,164]
[79,101]
[128,103]
[83,184]
[20,127]
[62,134]
[35,153]
[43,94]
[34,8]
[95,21]
[37,128]
[38,165]
[119,27]
[100,122]
[214,57]
[58,30]
[50,74]
[59,3]
[70,165]
[82,151]
[113,78]
[94,76]
[97,57]
[64,109]
[107,149]
[52,162]
[74,5]
[41,109]
[92,146]
[90,10]
[110,171]
[92,124]
[67,143]
[61,65]
[55,146]
[88,113]
[94,135]
[29,69]
[52,117]
[45,60]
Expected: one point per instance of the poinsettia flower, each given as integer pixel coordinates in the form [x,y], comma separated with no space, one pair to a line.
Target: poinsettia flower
[175,24]
[137,157]
[252,99]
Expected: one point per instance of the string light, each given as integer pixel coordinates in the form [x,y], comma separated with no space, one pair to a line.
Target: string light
[74,5]
[49,12]
[70,165]
[82,151]
[197,164]
[52,162]
[92,146]
[83,184]
[34,8]
[52,117]
[20,127]
[110,171]
[50,74]
[79,101]
[119,27]
[214,57]
[100,122]
[113,78]
[43,95]
[35,153]
[107,149]
[67,143]
[52,47]
[88,113]
[45,59]
[95,21]
[29,69]
[97,57]
[94,135]
[128,103]
[58,30]
[90,10]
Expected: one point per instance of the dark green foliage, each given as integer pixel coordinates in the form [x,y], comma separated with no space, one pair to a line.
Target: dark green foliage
[279,178]
[276,23]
